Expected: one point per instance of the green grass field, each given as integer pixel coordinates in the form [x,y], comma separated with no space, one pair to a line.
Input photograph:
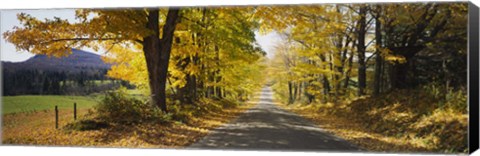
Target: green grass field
[26,103]
[134,92]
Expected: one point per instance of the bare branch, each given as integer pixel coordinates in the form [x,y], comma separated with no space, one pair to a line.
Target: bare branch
[79,39]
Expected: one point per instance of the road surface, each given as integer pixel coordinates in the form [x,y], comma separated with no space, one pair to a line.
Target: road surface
[268,127]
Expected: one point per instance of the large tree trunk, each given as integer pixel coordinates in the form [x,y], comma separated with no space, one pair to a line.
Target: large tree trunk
[295,91]
[349,68]
[399,76]
[362,75]
[378,58]
[193,78]
[211,89]
[403,75]
[343,65]
[187,93]
[290,92]
[326,88]
[218,77]
[299,94]
[157,54]
[308,85]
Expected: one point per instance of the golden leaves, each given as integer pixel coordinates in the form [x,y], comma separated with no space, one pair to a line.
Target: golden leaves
[388,55]
[391,124]
[37,129]
[128,63]
[94,28]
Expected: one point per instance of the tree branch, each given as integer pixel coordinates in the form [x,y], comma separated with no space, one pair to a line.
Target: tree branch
[80,39]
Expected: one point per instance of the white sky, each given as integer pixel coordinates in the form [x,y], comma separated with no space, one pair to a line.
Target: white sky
[9,19]
[267,42]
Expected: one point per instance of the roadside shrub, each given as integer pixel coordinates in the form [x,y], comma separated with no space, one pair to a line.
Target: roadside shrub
[455,99]
[209,105]
[185,112]
[183,116]
[85,125]
[228,103]
[118,107]
[177,112]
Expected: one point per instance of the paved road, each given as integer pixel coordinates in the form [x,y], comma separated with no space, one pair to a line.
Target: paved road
[268,127]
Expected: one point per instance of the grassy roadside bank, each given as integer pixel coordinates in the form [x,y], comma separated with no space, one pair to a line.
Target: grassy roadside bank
[381,125]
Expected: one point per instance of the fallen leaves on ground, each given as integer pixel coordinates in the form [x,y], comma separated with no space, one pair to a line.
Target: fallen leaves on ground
[407,122]
[38,129]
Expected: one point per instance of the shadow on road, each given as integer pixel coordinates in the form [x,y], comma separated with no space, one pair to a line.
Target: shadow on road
[268,127]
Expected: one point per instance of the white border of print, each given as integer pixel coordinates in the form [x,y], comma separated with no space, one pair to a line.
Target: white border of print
[77,151]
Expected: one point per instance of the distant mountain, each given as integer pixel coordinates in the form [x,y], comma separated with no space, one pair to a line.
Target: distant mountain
[76,62]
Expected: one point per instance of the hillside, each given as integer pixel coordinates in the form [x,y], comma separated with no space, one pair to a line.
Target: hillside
[76,74]
[78,61]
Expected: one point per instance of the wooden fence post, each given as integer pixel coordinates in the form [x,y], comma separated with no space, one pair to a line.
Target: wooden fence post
[56,117]
[74,111]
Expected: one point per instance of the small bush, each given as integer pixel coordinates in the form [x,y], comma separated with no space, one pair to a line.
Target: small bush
[455,99]
[185,112]
[228,103]
[85,125]
[183,116]
[118,107]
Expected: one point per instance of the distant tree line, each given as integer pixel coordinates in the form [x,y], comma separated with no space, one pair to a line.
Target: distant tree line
[38,82]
